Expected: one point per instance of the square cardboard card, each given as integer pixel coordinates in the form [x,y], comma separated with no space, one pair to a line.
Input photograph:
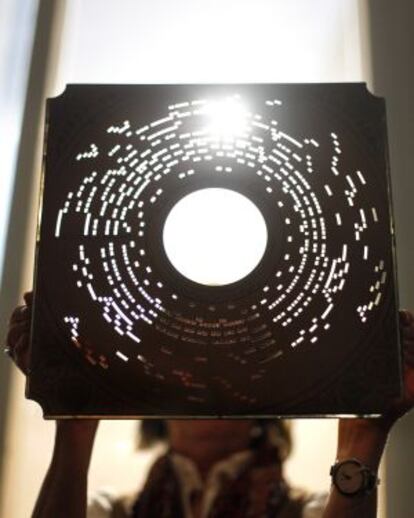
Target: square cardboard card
[215,250]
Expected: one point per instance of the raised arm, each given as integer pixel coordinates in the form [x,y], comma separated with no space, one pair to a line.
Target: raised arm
[365,439]
[64,490]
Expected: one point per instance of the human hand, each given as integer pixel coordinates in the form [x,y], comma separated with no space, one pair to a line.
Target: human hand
[18,348]
[405,403]
[365,438]
[18,336]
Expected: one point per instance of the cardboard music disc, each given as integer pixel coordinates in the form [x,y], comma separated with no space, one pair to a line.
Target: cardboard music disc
[302,322]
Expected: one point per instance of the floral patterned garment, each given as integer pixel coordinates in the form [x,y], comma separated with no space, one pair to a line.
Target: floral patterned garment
[248,484]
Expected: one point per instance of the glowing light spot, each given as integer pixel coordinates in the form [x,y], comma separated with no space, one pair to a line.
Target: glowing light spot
[227,118]
[215,236]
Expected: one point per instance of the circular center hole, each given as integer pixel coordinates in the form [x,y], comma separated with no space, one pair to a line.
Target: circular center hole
[215,236]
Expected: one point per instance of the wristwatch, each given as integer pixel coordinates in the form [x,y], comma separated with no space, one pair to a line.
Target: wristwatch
[352,478]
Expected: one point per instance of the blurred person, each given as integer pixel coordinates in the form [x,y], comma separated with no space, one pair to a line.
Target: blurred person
[217,468]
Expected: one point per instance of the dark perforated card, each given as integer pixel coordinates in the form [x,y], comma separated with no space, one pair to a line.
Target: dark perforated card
[312,328]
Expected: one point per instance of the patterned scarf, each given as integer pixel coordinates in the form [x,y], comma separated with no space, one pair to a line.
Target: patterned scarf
[259,491]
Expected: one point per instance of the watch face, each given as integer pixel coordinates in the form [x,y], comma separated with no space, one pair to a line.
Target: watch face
[350,478]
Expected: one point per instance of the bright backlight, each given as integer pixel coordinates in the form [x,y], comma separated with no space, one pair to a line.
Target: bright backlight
[227,118]
[215,236]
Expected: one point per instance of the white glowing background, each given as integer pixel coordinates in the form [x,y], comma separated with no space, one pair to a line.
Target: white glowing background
[16,35]
[215,236]
[212,41]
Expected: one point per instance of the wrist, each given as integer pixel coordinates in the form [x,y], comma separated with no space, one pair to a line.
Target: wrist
[74,441]
[363,439]
[80,429]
